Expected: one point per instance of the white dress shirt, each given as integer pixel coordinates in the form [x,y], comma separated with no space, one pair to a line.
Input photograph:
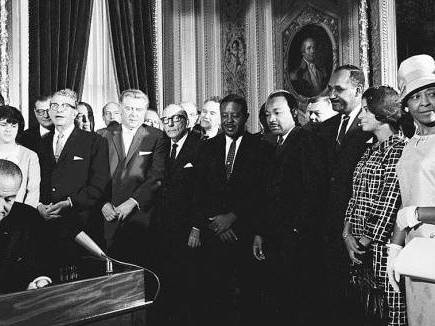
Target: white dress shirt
[127,137]
[43,131]
[66,133]
[179,143]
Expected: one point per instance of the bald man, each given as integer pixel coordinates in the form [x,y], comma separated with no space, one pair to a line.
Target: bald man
[20,236]
[177,233]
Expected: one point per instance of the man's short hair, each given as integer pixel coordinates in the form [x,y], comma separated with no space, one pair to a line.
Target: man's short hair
[216,99]
[236,99]
[10,169]
[356,75]
[67,93]
[291,102]
[107,104]
[134,93]
[42,98]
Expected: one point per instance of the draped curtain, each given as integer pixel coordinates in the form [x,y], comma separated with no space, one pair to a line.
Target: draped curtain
[131,26]
[100,85]
[58,43]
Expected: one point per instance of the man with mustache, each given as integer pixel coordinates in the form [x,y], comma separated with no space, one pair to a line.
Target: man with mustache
[287,232]
[226,201]
[344,143]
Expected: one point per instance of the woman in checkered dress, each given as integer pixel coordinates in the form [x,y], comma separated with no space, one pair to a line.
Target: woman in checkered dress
[373,207]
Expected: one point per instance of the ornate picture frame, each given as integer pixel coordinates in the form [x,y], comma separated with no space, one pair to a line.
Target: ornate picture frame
[308,25]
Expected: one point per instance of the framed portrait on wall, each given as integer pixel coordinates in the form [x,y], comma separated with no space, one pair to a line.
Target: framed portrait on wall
[309,52]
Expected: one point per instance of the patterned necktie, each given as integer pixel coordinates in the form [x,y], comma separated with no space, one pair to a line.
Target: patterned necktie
[59,146]
[173,152]
[342,133]
[280,140]
[230,159]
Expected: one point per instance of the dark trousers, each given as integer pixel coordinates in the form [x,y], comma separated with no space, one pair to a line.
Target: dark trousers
[176,265]
[294,290]
[228,282]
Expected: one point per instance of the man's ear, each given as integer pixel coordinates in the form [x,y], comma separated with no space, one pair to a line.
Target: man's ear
[359,91]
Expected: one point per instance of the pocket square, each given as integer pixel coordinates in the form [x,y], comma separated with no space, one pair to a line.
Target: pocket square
[188,165]
[144,153]
[78,158]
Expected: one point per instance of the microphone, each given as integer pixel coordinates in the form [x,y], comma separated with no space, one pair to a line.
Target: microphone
[86,242]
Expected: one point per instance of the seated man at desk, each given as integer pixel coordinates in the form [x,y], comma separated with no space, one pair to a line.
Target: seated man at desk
[20,227]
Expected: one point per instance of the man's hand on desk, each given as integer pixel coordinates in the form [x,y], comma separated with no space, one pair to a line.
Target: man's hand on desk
[222,222]
[39,282]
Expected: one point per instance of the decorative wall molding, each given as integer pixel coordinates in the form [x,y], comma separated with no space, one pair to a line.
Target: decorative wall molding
[364,40]
[4,55]
[208,50]
[234,35]
[384,58]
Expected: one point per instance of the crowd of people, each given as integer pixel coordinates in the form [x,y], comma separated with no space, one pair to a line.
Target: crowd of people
[295,225]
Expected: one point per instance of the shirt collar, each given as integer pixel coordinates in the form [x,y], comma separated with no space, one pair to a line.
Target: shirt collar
[229,139]
[43,131]
[125,130]
[66,133]
[352,116]
[181,141]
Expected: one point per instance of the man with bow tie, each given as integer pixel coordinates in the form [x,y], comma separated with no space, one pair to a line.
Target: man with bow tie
[137,155]
[74,174]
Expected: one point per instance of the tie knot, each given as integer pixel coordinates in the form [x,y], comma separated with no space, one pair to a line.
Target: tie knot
[345,117]
[174,146]
[60,135]
[280,140]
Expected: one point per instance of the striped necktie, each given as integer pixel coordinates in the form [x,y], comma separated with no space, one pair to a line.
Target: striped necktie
[230,159]
[59,146]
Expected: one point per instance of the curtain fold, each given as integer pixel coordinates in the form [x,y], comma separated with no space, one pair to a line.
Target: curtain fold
[131,25]
[58,44]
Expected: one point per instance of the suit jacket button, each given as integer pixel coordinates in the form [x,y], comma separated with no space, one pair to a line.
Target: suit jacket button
[332,179]
[54,189]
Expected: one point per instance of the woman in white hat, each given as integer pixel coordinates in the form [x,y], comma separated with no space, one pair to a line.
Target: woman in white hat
[416,172]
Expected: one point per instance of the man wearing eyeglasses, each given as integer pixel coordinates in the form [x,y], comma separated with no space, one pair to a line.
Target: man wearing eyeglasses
[137,156]
[74,174]
[31,137]
[177,259]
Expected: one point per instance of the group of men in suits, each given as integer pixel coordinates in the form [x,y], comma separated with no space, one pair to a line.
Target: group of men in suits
[267,214]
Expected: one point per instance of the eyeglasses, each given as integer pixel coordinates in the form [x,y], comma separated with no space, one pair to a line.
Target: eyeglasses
[55,106]
[41,112]
[174,118]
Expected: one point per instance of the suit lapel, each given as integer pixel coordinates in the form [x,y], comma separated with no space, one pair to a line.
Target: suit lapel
[48,139]
[241,154]
[137,139]
[184,152]
[118,142]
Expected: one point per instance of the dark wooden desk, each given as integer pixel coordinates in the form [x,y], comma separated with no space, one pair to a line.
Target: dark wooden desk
[117,299]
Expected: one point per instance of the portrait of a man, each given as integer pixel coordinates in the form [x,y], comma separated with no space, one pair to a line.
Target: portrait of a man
[309,78]
[308,61]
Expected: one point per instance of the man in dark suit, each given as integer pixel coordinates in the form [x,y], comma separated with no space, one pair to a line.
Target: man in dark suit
[74,174]
[344,142]
[137,156]
[20,236]
[288,231]
[177,238]
[227,194]
[31,138]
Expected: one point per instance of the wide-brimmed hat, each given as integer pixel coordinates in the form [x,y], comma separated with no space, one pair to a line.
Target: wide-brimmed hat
[414,73]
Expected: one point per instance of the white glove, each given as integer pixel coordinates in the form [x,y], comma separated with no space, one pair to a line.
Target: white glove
[393,275]
[407,217]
